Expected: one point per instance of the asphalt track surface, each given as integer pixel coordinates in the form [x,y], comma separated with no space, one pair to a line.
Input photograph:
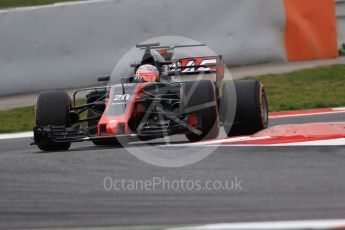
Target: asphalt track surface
[65,189]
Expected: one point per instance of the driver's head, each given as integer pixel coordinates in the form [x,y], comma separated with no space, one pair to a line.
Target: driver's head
[147,73]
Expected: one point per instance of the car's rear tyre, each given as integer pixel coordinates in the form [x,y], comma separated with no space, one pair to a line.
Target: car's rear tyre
[251,110]
[199,99]
[53,108]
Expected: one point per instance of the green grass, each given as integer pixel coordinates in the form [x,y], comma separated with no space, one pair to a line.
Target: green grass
[20,3]
[22,119]
[321,87]
[16,120]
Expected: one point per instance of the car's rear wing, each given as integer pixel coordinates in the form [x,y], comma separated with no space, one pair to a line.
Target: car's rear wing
[208,67]
[190,68]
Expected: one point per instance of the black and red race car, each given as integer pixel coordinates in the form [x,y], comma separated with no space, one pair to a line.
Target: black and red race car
[189,97]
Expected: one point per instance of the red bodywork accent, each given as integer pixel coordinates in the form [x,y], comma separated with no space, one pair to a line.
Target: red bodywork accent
[118,125]
[139,108]
[192,120]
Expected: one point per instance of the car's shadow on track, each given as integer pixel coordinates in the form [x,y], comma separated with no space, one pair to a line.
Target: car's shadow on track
[114,147]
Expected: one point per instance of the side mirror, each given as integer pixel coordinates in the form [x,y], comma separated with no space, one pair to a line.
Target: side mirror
[103,79]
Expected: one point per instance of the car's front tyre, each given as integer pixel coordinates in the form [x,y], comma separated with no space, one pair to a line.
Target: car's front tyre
[52,108]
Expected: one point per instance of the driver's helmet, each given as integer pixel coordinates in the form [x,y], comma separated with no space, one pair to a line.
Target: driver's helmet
[147,73]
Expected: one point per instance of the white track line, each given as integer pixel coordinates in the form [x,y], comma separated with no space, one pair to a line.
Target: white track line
[331,142]
[232,143]
[339,108]
[304,115]
[275,225]
[16,135]
[335,111]
[216,142]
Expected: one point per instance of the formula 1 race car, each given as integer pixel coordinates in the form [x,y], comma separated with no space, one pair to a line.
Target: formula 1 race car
[158,99]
